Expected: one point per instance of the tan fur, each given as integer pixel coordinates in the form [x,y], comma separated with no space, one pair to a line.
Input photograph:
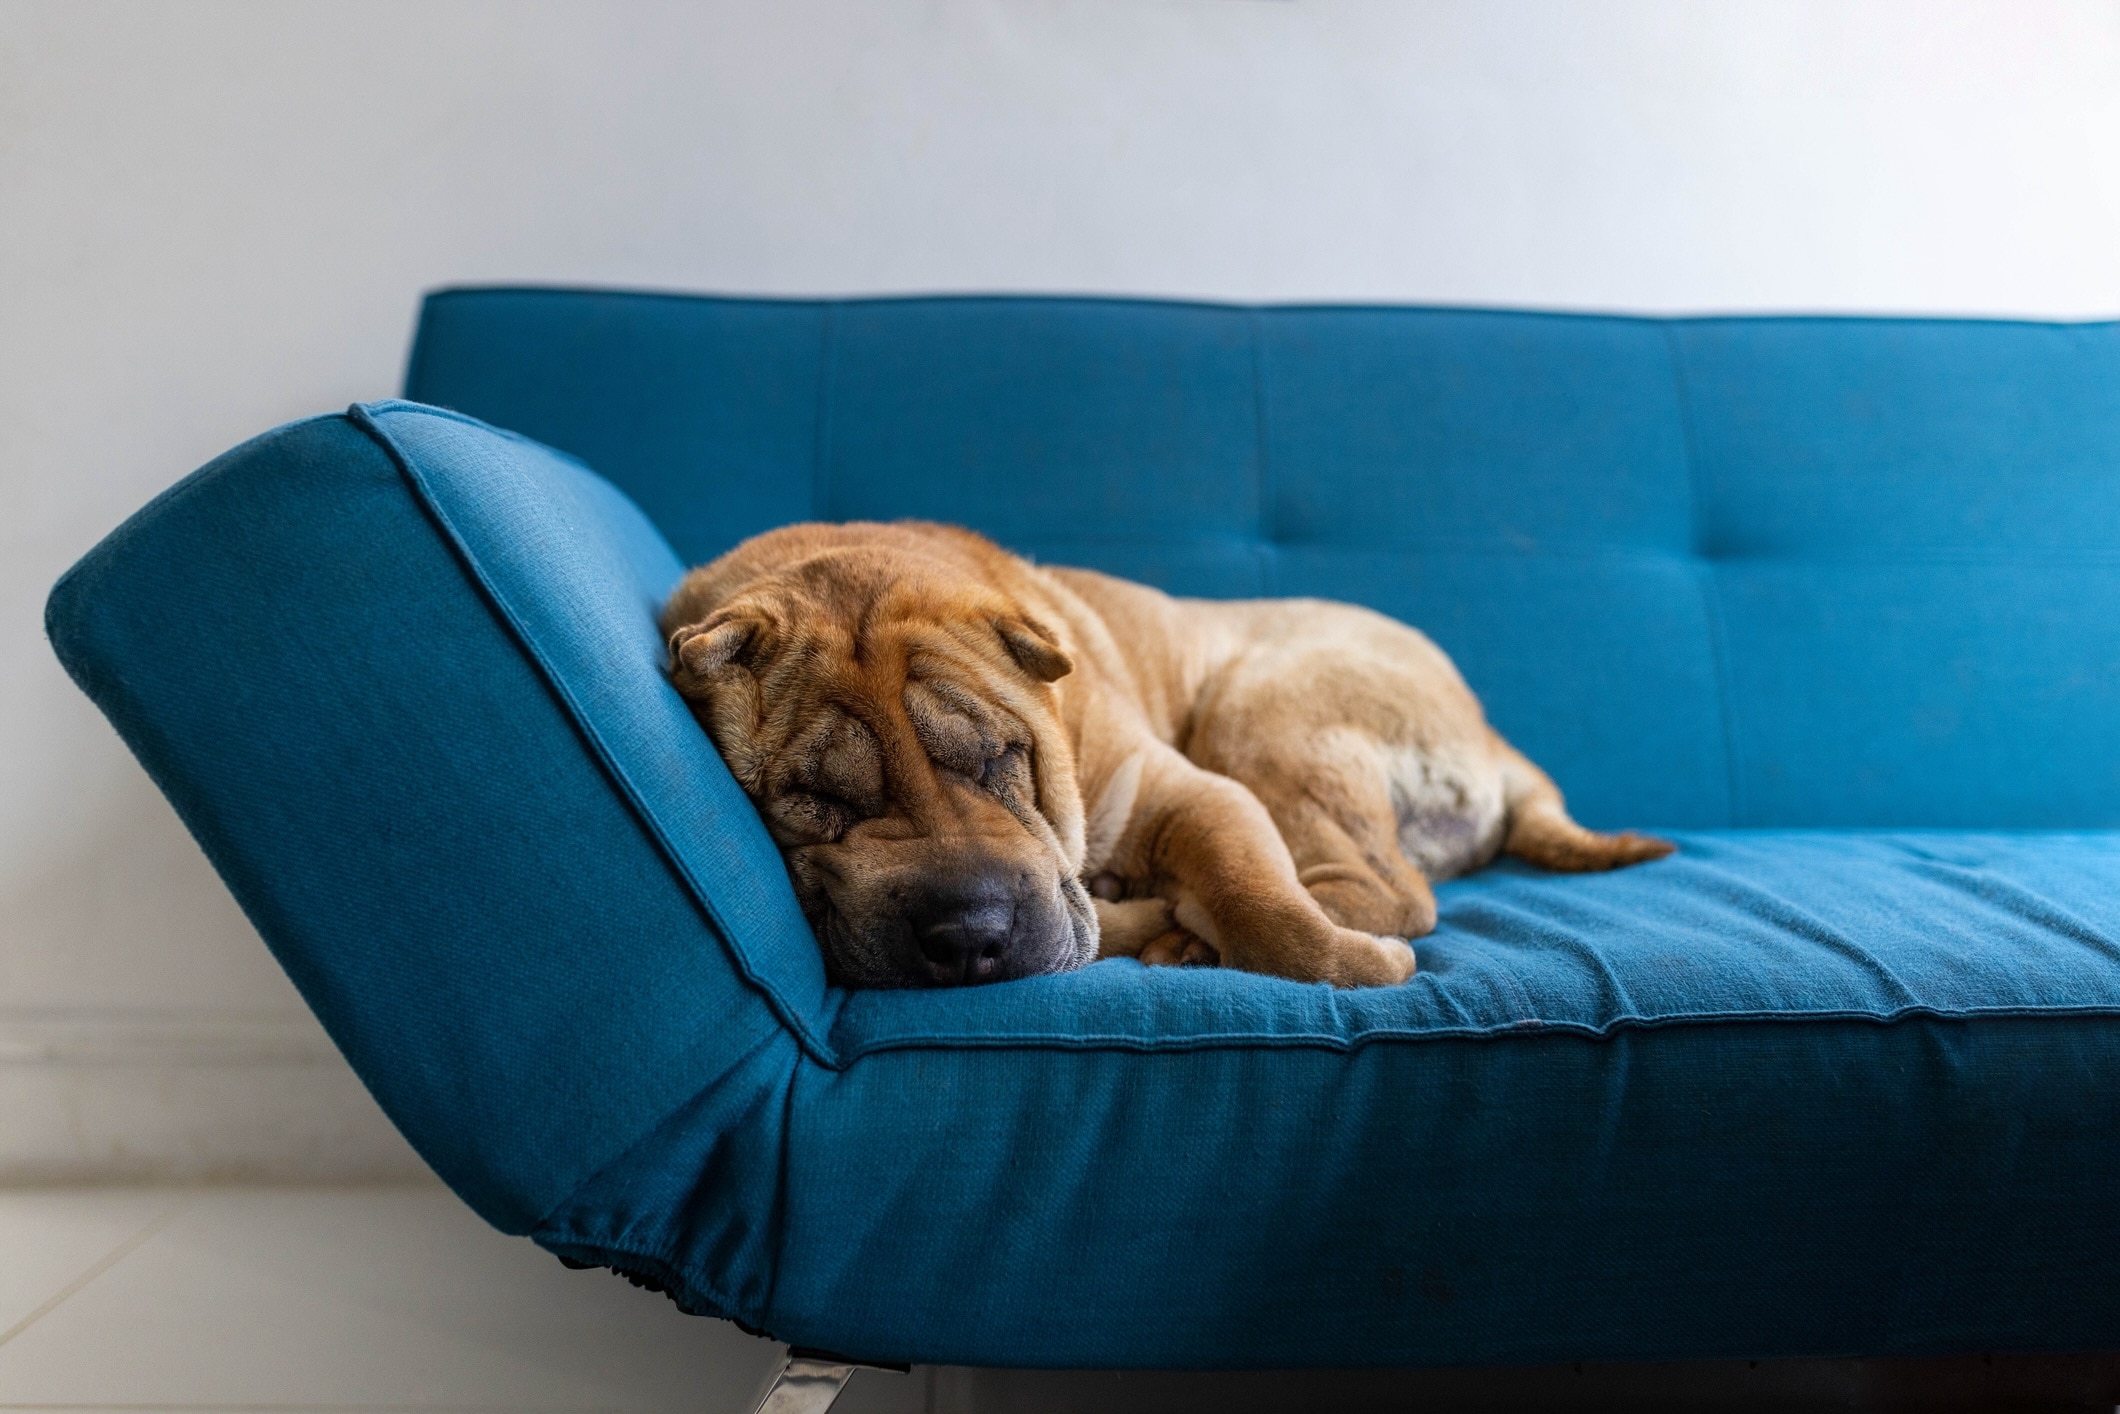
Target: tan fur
[1270,784]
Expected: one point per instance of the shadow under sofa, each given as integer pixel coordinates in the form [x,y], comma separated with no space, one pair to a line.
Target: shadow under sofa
[1833,602]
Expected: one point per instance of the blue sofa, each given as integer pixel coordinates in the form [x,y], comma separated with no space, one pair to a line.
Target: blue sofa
[1835,602]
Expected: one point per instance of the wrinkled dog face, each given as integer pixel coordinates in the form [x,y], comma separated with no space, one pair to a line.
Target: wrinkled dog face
[901,745]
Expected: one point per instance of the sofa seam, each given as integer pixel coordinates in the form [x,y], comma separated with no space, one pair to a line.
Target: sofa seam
[1719,653]
[633,1146]
[1529,1029]
[666,1253]
[821,412]
[448,414]
[1269,539]
[417,357]
[1706,586]
[647,1134]
[818,1048]
[782,1201]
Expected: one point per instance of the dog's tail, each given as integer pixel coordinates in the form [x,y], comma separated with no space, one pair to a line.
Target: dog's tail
[1541,833]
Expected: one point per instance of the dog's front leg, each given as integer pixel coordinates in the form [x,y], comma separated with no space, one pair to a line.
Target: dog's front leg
[1205,843]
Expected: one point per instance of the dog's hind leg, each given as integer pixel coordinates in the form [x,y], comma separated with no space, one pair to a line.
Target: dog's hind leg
[1208,844]
[1541,833]
[1332,804]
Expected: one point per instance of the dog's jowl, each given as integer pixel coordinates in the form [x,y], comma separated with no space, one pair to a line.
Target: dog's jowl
[979,769]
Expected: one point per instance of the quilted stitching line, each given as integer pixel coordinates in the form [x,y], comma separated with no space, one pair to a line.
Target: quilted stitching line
[1704,579]
[1269,538]
[821,414]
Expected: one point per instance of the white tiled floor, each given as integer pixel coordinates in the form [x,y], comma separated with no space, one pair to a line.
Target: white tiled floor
[346,1300]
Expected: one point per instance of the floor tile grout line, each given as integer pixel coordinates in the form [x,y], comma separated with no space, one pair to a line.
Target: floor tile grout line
[110,1259]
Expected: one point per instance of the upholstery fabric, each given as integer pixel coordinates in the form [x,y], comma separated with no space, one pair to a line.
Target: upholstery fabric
[1739,926]
[1847,1085]
[1753,572]
[1789,1092]
[402,801]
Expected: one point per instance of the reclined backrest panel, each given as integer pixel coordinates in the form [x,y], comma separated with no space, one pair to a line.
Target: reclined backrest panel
[1616,526]
[393,788]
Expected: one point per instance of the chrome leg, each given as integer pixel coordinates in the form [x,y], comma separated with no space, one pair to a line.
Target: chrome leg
[809,1382]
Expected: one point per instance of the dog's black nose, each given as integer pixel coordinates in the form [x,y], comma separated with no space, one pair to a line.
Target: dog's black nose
[963,935]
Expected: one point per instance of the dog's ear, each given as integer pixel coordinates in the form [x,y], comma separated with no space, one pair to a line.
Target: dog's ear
[730,635]
[1034,647]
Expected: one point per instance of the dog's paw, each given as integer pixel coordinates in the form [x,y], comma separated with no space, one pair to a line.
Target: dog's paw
[1366,960]
[1178,948]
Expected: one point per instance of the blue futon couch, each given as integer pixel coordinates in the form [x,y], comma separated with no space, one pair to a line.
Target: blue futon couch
[1834,602]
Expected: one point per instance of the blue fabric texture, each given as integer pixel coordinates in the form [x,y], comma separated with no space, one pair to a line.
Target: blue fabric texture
[1829,598]
[1752,572]
[1739,926]
[402,801]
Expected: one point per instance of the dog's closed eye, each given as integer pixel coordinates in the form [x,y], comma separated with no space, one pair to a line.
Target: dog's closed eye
[825,782]
[802,817]
[1008,774]
[955,736]
[849,770]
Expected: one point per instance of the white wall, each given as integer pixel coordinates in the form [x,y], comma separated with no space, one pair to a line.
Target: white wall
[216,216]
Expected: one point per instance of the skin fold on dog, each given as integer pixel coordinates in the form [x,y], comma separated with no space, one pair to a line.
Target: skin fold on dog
[980,769]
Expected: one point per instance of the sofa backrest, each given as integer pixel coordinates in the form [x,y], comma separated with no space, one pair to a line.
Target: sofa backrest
[1769,571]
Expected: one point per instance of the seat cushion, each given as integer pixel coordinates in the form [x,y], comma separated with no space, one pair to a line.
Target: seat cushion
[1785,1093]
[1739,926]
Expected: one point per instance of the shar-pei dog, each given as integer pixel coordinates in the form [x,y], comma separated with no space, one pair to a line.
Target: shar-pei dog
[978,769]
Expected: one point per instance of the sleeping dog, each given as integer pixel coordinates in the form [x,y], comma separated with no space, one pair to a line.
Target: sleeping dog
[979,769]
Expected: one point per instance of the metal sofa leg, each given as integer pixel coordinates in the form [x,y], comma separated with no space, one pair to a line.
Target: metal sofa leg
[810,1381]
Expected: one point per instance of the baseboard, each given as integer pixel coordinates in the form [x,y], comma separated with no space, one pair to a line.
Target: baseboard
[185,1096]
